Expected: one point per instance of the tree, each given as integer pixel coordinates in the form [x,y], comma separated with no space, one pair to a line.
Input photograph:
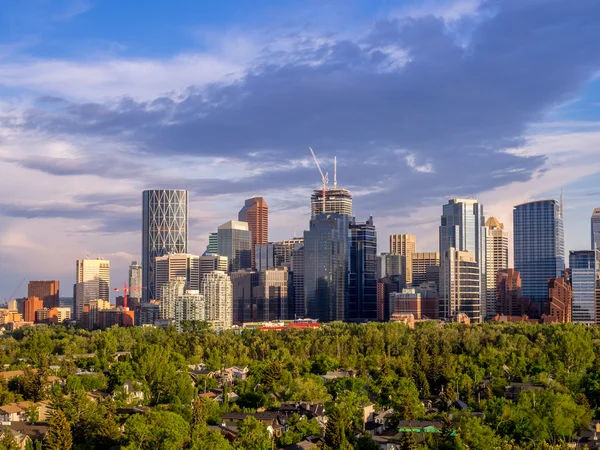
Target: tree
[253,435]
[33,445]
[59,433]
[163,430]
[33,384]
[8,441]
[338,424]
[366,442]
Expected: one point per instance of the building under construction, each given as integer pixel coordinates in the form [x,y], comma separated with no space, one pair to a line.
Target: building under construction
[336,201]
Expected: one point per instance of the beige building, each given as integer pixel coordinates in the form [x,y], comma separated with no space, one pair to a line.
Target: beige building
[496,260]
[404,245]
[210,263]
[419,263]
[173,266]
[92,283]
[460,285]
[218,294]
[92,309]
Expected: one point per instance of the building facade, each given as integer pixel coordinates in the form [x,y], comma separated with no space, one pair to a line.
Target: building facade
[420,262]
[539,252]
[583,272]
[337,201]
[218,296]
[283,251]
[272,292]
[404,245]
[245,307]
[264,256]
[496,260]
[362,281]
[235,242]
[47,291]
[164,230]
[391,265]
[171,290]
[255,212]
[92,283]
[175,266]
[30,306]
[460,287]
[406,302]
[595,228]
[213,244]
[212,262]
[509,295]
[135,284]
[326,259]
[297,267]
[189,306]
[560,300]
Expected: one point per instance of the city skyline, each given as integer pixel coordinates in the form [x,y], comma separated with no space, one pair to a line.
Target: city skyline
[80,140]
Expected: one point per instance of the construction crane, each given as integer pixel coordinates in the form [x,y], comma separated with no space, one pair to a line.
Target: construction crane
[126,290]
[324,176]
[6,299]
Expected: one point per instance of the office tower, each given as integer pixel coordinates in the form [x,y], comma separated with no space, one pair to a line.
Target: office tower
[235,242]
[134,296]
[405,245]
[210,263]
[406,302]
[420,262]
[30,307]
[92,283]
[595,223]
[509,298]
[47,291]
[538,246]
[218,296]
[326,267]
[297,267]
[391,265]
[584,266]
[256,213]
[560,300]
[496,260]
[170,292]
[460,287]
[385,287]
[362,281]
[165,230]
[462,229]
[430,300]
[283,251]
[213,244]
[272,293]
[245,308]
[336,201]
[175,266]
[264,256]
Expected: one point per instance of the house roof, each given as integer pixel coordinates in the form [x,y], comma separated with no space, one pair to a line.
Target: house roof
[11,409]
[33,430]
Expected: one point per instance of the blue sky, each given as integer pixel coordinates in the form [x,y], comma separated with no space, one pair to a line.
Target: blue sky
[419,100]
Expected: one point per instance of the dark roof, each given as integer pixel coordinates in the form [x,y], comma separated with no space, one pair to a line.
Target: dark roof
[33,430]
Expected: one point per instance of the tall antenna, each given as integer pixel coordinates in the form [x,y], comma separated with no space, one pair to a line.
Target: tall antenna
[335,172]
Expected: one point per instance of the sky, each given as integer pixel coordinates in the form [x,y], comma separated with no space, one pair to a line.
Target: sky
[420,101]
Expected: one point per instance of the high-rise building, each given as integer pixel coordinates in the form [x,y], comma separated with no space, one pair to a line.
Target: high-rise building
[164,231]
[210,263]
[336,201]
[283,251]
[245,307]
[174,266]
[597,298]
[235,242]
[406,302]
[362,281]
[560,300]
[272,292]
[385,287]
[460,287]
[391,265]
[430,300]
[405,245]
[538,246]
[170,291]
[326,267]
[595,224]
[47,291]
[264,256]
[179,304]
[147,313]
[92,283]
[297,267]
[256,213]
[135,285]
[30,307]
[496,260]
[218,296]
[509,299]
[420,262]
[213,244]
[584,267]
[462,229]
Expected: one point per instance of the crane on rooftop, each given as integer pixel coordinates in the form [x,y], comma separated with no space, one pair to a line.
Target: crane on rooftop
[324,176]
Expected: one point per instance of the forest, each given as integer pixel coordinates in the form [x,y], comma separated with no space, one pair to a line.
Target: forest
[454,374]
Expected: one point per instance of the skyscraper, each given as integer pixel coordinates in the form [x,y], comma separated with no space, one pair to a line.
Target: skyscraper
[283,250]
[235,242]
[496,259]
[218,296]
[272,292]
[595,223]
[509,298]
[460,287]
[297,266]
[92,283]
[264,256]
[176,266]
[164,230]
[256,213]
[404,245]
[420,262]
[170,291]
[47,291]
[391,265]
[209,263]
[583,271]
[336,201]
[326,261]
[362,285]
[135,285]
[213,243]
[462,229]
[538,246]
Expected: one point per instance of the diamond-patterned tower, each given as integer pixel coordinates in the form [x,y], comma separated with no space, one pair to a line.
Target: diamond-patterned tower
[164,230]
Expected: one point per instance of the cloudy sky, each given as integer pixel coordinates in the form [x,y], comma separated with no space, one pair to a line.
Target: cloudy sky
[419,100]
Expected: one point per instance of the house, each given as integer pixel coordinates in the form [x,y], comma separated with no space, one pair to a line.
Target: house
[20,438]
[232,396]
[133,392]
[306,444]
[332,375]
[512,391]
[29,431]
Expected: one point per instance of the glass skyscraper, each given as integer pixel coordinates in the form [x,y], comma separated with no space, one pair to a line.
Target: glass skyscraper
[462,229]
[326,259]
[595,222]
[538,246]
[164,230]
[235,241]
[583,268]
[362,283]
